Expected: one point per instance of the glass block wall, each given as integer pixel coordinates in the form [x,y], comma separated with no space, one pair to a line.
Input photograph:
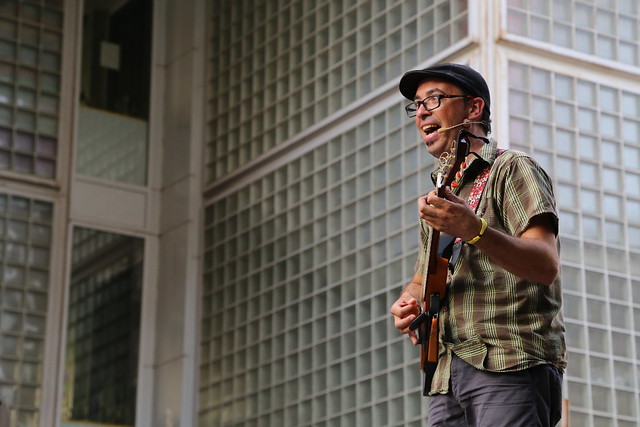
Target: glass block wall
[25,244]
[606,29]
[30,62]
[30,66]
[278,67]
[103,328]
[586,135]
[301,267]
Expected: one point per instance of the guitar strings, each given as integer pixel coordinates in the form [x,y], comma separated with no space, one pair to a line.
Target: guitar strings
[445,161]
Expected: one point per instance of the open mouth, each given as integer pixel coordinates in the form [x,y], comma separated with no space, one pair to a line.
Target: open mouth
[429,129]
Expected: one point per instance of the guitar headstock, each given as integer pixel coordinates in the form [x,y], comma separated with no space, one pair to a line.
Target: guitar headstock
[449,162]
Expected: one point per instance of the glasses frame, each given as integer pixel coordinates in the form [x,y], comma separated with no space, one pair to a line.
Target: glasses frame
[411,113]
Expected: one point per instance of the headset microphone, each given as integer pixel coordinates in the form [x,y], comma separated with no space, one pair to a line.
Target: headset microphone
[466,123]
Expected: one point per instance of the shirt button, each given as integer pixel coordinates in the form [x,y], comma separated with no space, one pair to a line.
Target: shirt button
[445,308]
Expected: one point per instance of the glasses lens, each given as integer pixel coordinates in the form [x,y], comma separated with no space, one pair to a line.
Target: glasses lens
[411,109]
[432,102]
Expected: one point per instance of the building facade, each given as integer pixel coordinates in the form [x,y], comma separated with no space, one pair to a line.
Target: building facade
[207,207]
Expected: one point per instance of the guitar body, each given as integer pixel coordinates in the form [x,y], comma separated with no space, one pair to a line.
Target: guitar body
[429,330]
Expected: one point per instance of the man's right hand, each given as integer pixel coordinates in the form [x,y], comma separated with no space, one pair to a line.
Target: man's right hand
[404,311]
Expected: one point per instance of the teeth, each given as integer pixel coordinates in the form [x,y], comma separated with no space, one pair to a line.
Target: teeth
[428,128]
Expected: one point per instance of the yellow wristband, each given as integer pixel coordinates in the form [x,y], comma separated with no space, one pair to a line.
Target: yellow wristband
[483,228]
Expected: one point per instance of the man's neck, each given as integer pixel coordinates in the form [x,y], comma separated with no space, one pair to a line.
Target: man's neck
[476,144]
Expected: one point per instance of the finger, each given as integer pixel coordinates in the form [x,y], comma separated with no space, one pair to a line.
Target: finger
[405,315]
[429,206]
[433,199]
[413,337]
[449,195]
[404,305]
[422,202]
[403,323]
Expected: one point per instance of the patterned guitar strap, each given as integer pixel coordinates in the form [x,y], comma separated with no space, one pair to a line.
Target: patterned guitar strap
[473,201]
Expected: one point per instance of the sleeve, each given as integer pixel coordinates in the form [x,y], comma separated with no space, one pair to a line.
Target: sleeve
[526,192]
[423,253]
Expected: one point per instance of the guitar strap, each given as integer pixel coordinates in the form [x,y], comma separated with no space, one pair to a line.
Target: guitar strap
[473,201]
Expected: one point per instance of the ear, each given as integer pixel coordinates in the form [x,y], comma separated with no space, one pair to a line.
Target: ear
[475,107]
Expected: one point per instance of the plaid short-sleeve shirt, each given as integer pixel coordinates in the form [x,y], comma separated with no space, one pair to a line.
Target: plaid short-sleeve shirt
[491,318]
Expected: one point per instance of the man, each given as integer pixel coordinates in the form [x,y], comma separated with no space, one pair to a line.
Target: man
[502,350]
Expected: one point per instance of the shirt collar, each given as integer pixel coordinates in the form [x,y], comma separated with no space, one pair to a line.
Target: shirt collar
[488,151]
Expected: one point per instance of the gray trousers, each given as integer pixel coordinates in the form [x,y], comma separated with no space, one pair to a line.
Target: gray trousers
[532,397]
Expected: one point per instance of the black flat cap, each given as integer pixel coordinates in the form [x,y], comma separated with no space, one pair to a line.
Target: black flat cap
[468,79]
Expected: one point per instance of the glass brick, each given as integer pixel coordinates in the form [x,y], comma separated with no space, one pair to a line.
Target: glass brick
[626,403]
[623,374]
[6,116]
[52,41]
[10,322]
[7,50]
[8,29]
[27,77]
[45,168]
[595,284]
[6,94]
[24,142]
[601,398]
[23,163]
[28,56]
[50,61]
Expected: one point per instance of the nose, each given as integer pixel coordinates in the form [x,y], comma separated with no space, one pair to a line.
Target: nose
[422,109]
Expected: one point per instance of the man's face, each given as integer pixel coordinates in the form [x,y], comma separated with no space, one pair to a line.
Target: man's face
[451,111]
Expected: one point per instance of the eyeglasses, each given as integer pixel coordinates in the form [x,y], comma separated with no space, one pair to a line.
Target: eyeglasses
[429,103]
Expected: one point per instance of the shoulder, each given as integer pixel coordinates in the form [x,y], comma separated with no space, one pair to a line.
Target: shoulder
[515,162]
[506,156]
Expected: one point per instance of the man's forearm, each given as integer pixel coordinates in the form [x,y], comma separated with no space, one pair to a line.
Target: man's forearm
[414,287]
[532,256]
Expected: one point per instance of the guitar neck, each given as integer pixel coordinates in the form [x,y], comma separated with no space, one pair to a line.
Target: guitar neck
[435,240]
[433,250]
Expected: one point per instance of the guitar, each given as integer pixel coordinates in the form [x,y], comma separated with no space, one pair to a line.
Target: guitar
[435,280]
